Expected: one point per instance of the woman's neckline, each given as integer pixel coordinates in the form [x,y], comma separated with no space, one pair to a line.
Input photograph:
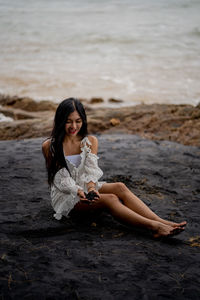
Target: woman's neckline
[85,138]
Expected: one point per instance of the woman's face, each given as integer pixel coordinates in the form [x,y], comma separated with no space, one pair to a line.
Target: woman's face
[73,124]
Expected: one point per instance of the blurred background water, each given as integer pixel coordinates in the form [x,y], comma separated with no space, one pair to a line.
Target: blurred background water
[136,50]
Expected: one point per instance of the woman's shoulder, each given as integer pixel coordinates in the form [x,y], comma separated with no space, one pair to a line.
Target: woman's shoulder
[92,139]
[46,147]
[93,143]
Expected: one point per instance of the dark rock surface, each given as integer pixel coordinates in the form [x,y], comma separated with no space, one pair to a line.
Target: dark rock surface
[96,257]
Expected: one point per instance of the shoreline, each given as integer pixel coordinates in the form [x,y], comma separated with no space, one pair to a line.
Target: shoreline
[172,122]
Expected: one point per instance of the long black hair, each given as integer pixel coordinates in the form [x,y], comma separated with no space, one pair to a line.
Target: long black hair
[56,160]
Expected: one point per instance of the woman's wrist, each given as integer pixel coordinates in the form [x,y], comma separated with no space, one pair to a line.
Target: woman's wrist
[79,192]
[91,188]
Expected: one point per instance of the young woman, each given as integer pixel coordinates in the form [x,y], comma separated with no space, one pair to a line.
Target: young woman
[73,172]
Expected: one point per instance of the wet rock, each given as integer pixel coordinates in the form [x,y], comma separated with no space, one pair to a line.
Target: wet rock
[196,114]
[96,100]
[113,100]
[97,126]
[26,103]
[16,114]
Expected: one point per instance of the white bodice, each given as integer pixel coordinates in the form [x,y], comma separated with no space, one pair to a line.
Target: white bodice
[74,159]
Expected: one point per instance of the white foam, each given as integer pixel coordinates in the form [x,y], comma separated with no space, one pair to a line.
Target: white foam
[3,118]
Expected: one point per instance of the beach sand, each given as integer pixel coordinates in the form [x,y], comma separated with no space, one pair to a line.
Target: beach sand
[96,257]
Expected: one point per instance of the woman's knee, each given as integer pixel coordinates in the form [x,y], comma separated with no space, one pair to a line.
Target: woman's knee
[120,187]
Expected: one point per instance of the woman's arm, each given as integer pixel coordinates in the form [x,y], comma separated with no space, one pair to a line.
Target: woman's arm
[45,148]
[66,184]
[94,149]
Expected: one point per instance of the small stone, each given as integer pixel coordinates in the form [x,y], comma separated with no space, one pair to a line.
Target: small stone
[94,224]
[114,122]
[3,257]
[113,100]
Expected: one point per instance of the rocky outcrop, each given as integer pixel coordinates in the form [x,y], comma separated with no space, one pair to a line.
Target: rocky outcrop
[26,104]
[179,123]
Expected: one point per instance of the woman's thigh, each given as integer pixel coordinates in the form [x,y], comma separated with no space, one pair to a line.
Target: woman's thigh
[111,188]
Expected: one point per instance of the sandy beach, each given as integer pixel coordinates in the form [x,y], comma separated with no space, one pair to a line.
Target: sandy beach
[96,257]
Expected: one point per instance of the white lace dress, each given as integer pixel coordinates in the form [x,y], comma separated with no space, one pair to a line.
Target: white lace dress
[64,188]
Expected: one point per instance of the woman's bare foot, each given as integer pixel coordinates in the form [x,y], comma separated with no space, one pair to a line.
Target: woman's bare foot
[163,230]
[173,224]
[182,224]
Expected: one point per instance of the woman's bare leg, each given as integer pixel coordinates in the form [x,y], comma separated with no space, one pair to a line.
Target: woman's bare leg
[134,203]
[128,216]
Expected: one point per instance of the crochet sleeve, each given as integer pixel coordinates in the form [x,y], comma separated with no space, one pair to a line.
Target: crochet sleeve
[92,172]
[65,183]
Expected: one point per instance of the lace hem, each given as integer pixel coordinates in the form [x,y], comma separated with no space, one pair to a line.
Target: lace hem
[63,204]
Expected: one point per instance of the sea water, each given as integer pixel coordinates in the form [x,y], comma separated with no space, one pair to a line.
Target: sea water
[140,51]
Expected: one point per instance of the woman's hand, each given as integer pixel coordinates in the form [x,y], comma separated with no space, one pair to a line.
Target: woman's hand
[83,198]
[81,195]
[98,195]
[93,195]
